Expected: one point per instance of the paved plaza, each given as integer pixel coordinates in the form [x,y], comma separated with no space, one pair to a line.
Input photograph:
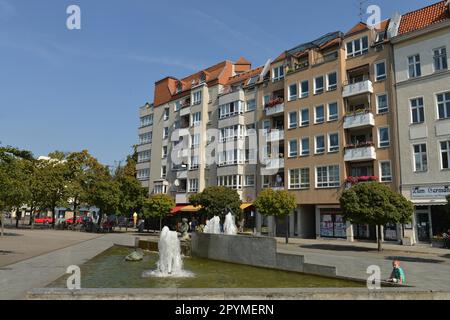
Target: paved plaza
[33,259]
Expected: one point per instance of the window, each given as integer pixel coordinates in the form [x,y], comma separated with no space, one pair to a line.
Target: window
[318,85]
[233,182]
[440,59]
[383,137]
[147,121]
[250,180]
[143,174]
[443,101]
[165,133]
[230,109]
[293,148]
[417,110]
[145,138]
[445,154]
[386,172]
[333,142]
[319,114]
[420,158]
[160,189]
[358,47]
[193,185]
[231,133]
[304,87]
[332,81]
[144,156]
[231,157]
[277,73]
[382,103]
[178,106]
[197,98]
[251,105]
[320,144]
[380,71]
[194,163]
[299,179]
[304,117]
[177,124]
[304,147]
[195,141]
[266,126]
[163,172]
[166,114]
[292,92]
[327,177]
[292,120]
[196,119]
[414,66]
[333,111]
[266,100]
[164,152]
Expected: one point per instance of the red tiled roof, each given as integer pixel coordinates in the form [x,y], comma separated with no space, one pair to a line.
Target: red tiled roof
[360,26]
[423,18]
[245,76]
[242,60]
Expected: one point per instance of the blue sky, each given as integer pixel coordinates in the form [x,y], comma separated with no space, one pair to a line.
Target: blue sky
[73,90]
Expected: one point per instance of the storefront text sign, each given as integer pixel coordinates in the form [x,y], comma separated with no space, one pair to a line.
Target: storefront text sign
[434,192]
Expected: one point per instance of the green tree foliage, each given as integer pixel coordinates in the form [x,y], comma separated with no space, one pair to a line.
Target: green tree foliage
[132,194]
[278,203]
[375,203]
[218,201]
[158,206]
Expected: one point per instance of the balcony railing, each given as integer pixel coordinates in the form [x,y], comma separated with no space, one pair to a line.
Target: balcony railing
[275,164]
[275,135]
[352,181]
[297,67]
[274,107]
[358,119]
[361,152]
[357,88]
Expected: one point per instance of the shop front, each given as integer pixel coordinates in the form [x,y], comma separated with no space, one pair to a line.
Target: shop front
[431,219]
[331,223]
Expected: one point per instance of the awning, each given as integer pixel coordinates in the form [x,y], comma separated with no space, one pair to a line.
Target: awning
[177,209]
[246,205]
[190,209]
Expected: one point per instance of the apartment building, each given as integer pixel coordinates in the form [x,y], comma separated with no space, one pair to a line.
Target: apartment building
[318,119]
[421,47]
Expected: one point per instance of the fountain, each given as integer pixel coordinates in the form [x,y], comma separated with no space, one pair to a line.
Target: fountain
[170,263]
[229,226]
[213,226]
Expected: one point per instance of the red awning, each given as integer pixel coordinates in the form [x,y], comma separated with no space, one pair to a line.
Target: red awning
[177,209]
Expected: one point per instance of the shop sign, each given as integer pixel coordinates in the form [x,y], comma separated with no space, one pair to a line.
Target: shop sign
[440,192]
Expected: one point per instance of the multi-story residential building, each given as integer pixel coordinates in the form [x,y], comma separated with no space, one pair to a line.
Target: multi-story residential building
[422,74]
[316,120]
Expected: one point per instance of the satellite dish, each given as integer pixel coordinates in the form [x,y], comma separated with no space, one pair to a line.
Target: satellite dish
[177,183]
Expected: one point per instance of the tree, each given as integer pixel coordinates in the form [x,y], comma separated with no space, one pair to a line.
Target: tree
[158,205]
[14,191]
[53,177]
[82,169]
[103,192]
[374,203]
[132,194]
[278,203]
[218,201]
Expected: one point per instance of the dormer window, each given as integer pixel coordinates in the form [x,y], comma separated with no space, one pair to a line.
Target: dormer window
[358,47]
[202,77]
[179,87]
[381,36]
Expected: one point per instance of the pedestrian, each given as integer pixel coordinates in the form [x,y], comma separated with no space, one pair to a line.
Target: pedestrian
[397,275]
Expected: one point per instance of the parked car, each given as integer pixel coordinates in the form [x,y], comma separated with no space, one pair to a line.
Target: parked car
[44,220]
[79,220]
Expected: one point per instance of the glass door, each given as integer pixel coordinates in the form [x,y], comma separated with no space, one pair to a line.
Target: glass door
[423,226]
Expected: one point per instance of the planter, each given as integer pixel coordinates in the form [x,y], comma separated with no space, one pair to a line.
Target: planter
[438,243]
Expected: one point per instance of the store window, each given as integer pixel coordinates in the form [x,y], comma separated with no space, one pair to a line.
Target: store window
[332,224]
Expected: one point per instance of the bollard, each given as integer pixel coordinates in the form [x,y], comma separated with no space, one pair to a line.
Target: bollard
[136,242]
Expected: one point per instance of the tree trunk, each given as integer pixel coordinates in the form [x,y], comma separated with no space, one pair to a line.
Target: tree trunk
[160,224]
[75,206]
[2,221]
[100,220]
[379,239]
[32,218]
[53,216]
[287,229]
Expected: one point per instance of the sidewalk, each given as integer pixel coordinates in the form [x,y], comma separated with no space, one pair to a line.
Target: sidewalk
[16,279]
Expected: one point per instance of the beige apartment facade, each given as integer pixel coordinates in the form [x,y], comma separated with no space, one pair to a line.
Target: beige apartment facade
[318,119]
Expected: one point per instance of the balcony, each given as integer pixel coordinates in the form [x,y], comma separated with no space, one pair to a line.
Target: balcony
[352,181]
[365,152]
[185,111]
[359,120]
[181,198]
[357,88]
[275,107]
[275,164]
[275,135]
